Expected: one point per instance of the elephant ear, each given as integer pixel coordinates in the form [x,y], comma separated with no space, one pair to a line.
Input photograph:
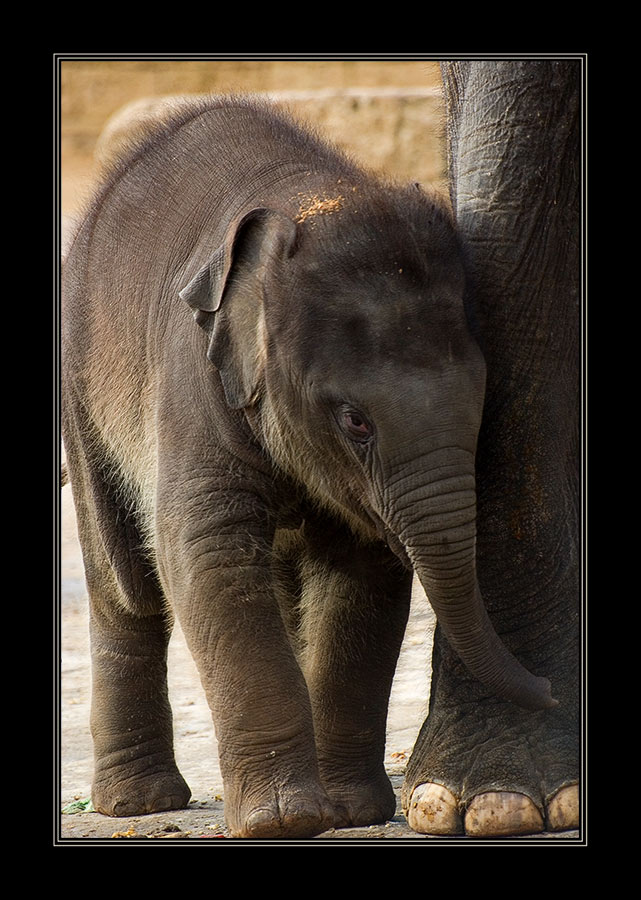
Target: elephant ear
[227,298]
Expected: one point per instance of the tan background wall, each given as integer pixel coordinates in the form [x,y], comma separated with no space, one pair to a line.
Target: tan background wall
[387,113]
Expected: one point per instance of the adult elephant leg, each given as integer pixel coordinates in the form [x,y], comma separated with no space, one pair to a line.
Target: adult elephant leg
[131,721]
[482,765]
[355,604]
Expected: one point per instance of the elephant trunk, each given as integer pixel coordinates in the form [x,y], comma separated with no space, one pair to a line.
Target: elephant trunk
[441,548]
[462,616]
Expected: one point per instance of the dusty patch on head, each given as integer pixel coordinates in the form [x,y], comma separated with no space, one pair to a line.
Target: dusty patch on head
[310,206]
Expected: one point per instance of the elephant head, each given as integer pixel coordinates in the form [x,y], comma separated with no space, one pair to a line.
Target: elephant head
[343,336]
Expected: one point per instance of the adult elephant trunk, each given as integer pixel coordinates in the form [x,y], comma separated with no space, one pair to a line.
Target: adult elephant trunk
[441,545]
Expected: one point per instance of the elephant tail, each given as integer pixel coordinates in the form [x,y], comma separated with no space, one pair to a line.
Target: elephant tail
[64,475]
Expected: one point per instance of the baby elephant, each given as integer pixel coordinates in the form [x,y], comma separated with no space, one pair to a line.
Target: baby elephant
[272,476]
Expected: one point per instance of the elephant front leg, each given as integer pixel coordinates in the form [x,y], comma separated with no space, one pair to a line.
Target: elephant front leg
[261,710]
[224,598]
[356,604]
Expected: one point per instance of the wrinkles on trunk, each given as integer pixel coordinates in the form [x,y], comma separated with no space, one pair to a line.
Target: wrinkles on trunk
[456,599]
[439,537]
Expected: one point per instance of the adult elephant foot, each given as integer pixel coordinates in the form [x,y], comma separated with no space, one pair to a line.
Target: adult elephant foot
[492,771]
[433,809]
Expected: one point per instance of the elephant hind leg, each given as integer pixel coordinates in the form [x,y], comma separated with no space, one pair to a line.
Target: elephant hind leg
[131,722]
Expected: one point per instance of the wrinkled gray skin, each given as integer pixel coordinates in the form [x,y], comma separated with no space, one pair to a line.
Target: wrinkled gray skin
[269,472]
[515,168]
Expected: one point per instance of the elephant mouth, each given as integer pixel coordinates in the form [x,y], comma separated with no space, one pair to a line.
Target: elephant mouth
[388,537]
[397,548]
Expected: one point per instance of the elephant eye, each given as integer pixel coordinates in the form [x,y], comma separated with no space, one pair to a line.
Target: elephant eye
[355,425]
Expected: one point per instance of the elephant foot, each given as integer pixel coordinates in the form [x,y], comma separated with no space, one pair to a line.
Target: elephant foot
[433,809]
[360,804]
[489,769]
[284,813]
[499,813]
[137,795]
[563,809]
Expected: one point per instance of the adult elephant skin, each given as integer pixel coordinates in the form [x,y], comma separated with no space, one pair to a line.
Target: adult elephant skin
[272,476]
[481,765]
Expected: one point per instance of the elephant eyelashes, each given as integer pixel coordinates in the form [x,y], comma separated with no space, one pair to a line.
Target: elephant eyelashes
[355,425]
